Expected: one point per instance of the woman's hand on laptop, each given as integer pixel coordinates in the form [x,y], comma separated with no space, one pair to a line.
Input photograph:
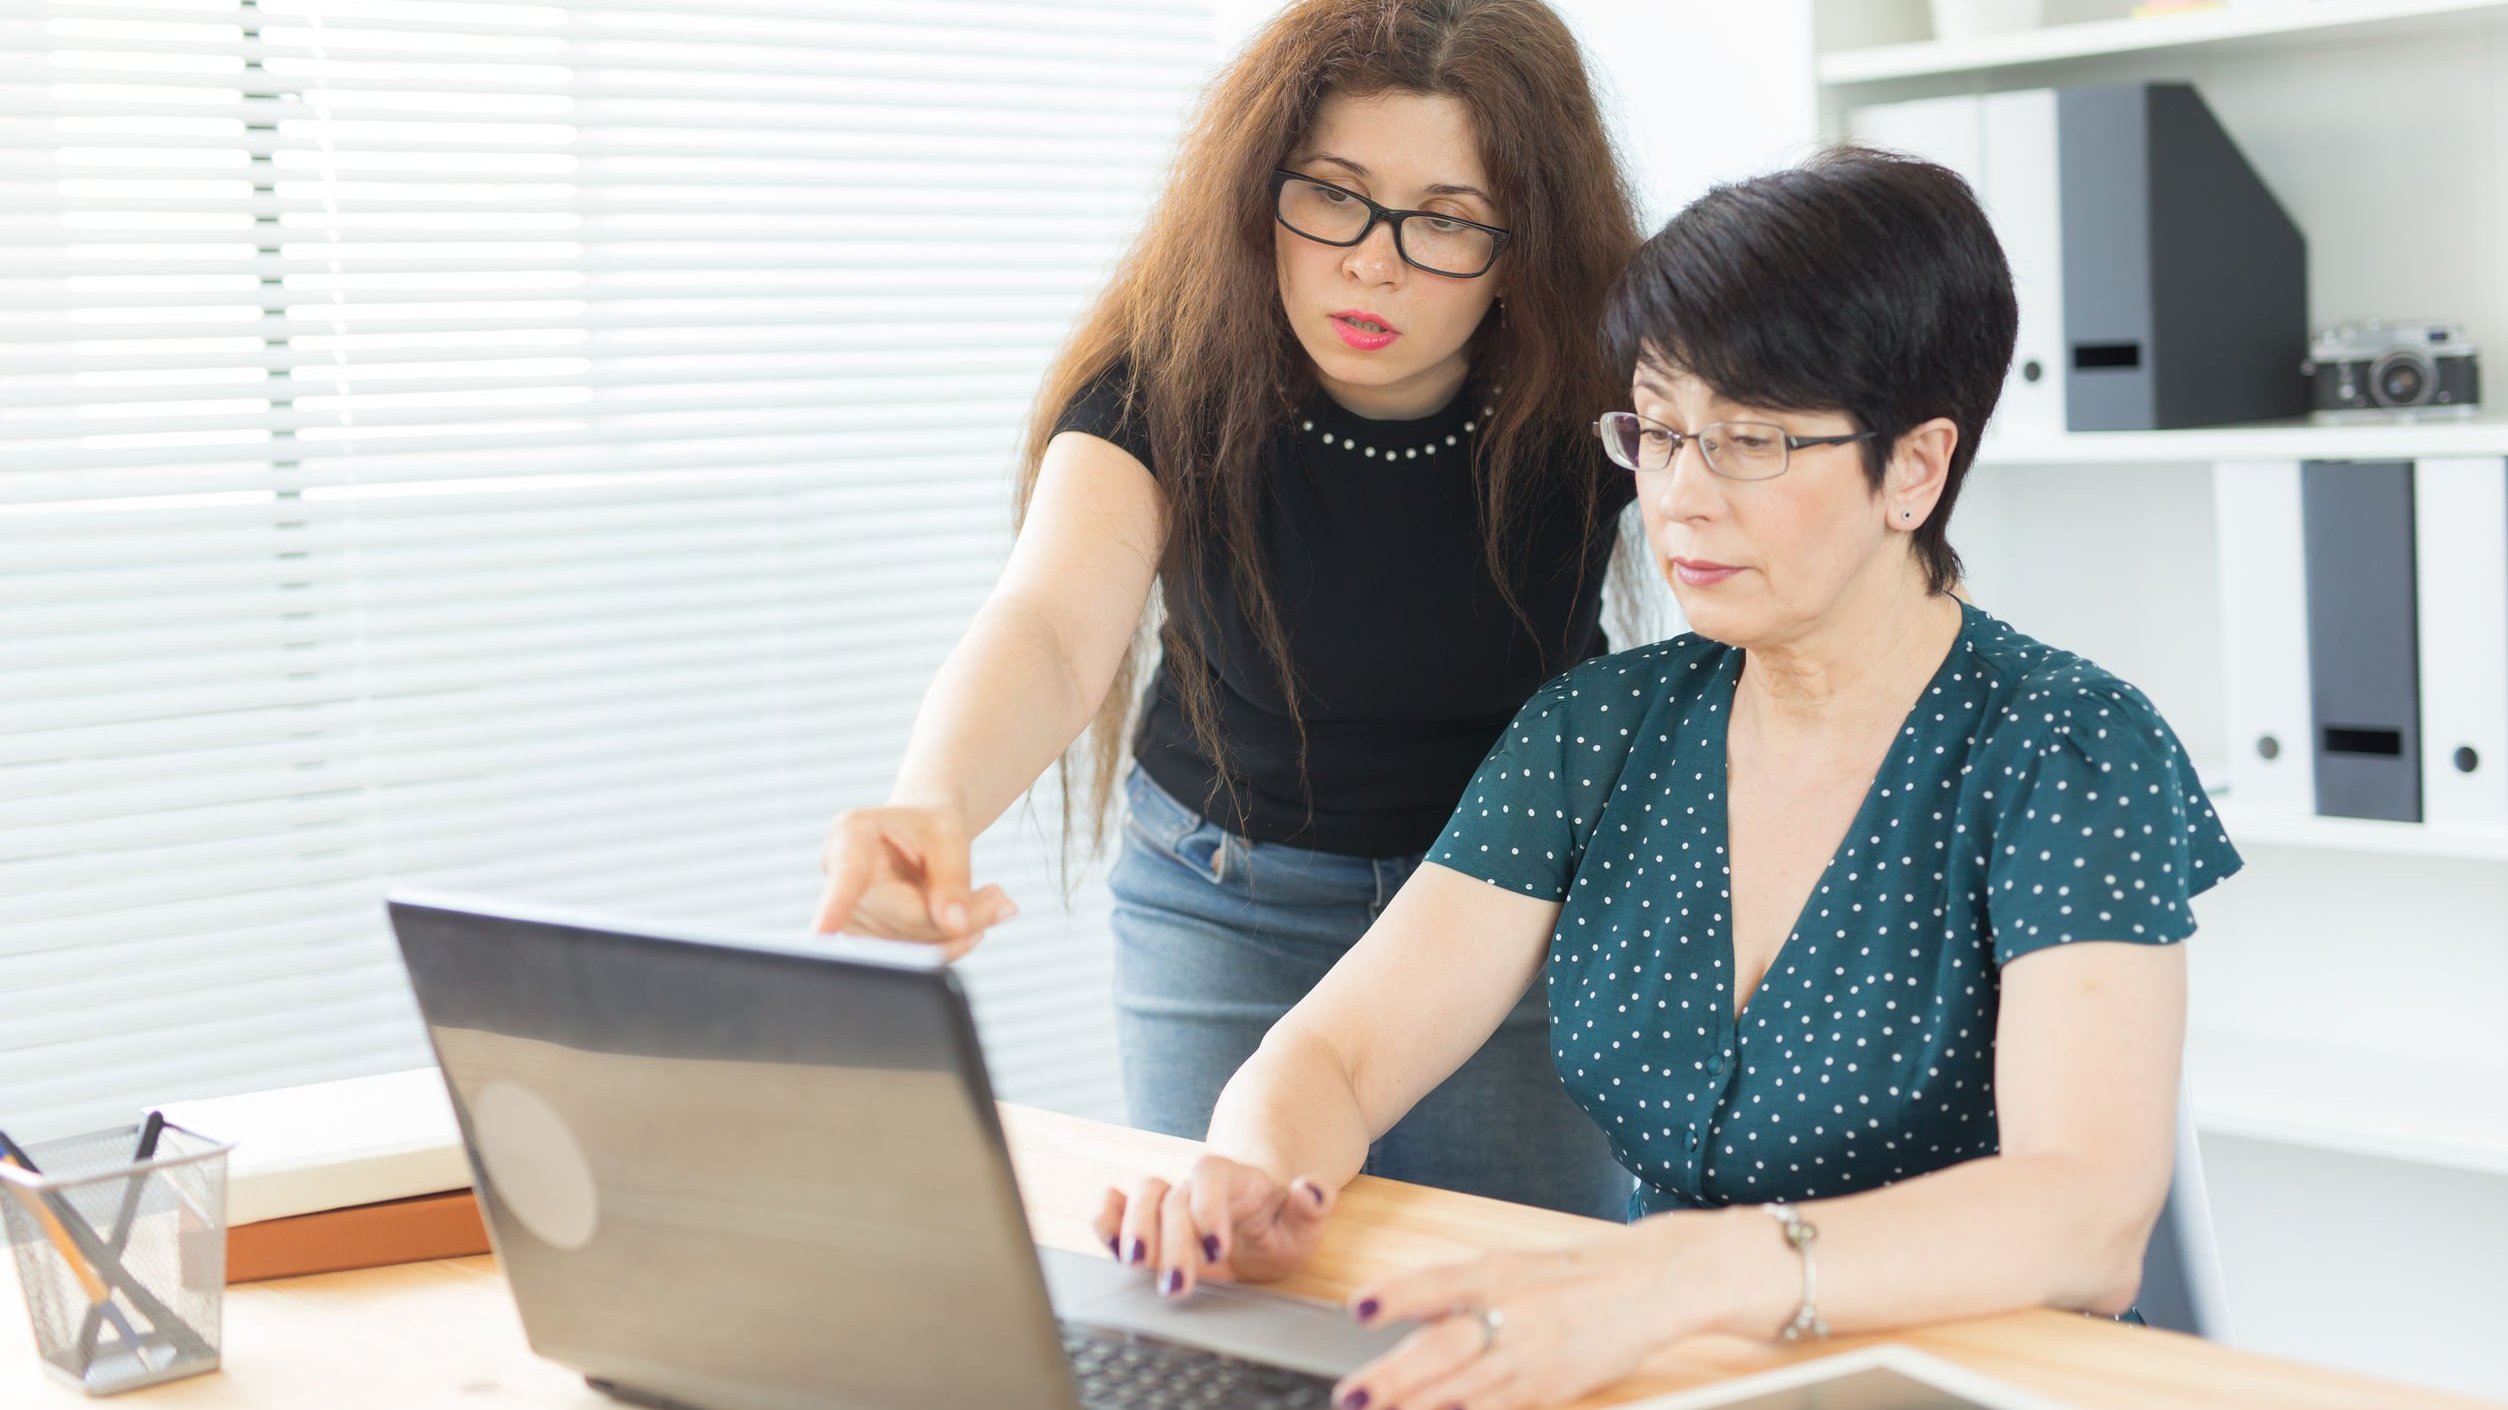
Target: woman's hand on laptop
[1517,1329]
[1227,1220]
[900,873]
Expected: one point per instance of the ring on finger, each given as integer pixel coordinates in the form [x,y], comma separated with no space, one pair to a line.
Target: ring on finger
[1492,1321]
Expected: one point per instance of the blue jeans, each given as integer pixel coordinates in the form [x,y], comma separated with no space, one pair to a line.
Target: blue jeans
[1217,936]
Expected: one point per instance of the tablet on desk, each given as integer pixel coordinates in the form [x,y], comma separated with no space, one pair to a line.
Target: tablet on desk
[1878,1378]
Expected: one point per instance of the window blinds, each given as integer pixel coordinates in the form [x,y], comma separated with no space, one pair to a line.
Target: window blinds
[533,449]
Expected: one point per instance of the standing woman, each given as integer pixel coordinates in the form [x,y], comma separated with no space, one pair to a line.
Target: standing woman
[1334,407]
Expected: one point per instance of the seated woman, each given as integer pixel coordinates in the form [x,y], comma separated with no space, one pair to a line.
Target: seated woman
[1856,905]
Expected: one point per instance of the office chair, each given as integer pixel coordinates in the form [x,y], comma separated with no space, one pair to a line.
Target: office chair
[2181,1268]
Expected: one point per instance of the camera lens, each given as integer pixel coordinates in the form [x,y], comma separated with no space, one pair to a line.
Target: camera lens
[2401,378]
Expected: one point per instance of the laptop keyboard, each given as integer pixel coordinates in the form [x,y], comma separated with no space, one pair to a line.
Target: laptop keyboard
[1120,1370]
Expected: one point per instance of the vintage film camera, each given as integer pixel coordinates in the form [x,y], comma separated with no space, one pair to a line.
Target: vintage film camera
[2379,365]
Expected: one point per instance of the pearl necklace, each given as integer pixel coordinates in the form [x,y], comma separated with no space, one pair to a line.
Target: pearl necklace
[1350,444]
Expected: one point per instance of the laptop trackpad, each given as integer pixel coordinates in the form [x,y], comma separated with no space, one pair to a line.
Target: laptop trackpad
[1241,1321]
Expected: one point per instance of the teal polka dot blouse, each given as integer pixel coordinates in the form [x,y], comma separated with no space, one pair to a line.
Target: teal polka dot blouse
[2033,800]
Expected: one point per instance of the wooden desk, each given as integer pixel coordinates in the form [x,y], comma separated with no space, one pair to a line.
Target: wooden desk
[437,1334]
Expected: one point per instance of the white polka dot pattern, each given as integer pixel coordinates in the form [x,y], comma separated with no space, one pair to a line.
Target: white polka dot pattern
[2033,800]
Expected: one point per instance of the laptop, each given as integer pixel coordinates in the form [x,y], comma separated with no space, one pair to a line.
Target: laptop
[735,1174]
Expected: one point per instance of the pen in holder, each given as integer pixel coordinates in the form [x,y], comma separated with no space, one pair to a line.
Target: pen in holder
[120,1243]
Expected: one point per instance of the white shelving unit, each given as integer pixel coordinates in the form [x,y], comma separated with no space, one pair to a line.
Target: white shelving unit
[2486,434]
[2348,1041]
[2357,1100]
[2396,839]
[2291,22]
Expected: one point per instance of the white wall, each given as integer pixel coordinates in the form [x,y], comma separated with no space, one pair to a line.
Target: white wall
[1698,91]
[1701,91]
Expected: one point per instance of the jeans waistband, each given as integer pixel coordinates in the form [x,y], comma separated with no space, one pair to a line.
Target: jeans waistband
[1167,822]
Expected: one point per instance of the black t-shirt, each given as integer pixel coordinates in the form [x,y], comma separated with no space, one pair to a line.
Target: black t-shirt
[1408,660]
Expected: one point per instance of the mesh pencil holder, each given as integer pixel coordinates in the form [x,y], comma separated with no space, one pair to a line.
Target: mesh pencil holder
[123,1264]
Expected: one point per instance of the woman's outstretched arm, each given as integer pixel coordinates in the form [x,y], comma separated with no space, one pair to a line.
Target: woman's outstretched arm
[1417,995]
[1027,677]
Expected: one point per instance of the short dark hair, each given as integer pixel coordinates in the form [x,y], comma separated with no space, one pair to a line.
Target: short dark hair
[1860,282]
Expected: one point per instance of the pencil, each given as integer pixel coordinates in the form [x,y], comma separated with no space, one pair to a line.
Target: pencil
[97,1271]
[119,1237]
[54,1232]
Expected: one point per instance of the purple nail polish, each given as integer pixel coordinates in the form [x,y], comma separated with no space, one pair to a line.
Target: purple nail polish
[1355,1400]
[1318,1192]
[1138,1252]
[1173,1283]
[1368,1308]
[1210,1248]
[1114,1246]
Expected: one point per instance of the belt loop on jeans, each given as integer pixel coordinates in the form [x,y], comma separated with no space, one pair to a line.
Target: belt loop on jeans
[1171,819]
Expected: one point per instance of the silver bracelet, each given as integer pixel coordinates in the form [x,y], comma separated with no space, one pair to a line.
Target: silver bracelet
[1800,1233]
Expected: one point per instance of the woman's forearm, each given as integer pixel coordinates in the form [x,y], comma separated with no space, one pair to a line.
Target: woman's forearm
[1004,705]
[1987,1236]
[1291,1111]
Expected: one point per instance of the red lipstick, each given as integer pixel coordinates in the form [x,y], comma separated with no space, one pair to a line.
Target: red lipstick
[1362,329]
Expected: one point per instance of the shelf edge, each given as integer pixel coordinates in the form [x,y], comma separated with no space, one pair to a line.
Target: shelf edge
[2052,44]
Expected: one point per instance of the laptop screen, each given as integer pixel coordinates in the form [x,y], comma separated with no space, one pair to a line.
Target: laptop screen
[735,1175]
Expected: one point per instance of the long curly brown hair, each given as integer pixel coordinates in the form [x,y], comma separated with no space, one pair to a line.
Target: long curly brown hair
[1194,308]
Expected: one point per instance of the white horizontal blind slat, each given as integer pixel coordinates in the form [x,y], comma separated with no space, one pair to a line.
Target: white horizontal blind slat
[525,447]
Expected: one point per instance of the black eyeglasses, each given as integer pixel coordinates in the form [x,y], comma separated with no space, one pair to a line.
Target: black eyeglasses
[1431,240]
[1736,450]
